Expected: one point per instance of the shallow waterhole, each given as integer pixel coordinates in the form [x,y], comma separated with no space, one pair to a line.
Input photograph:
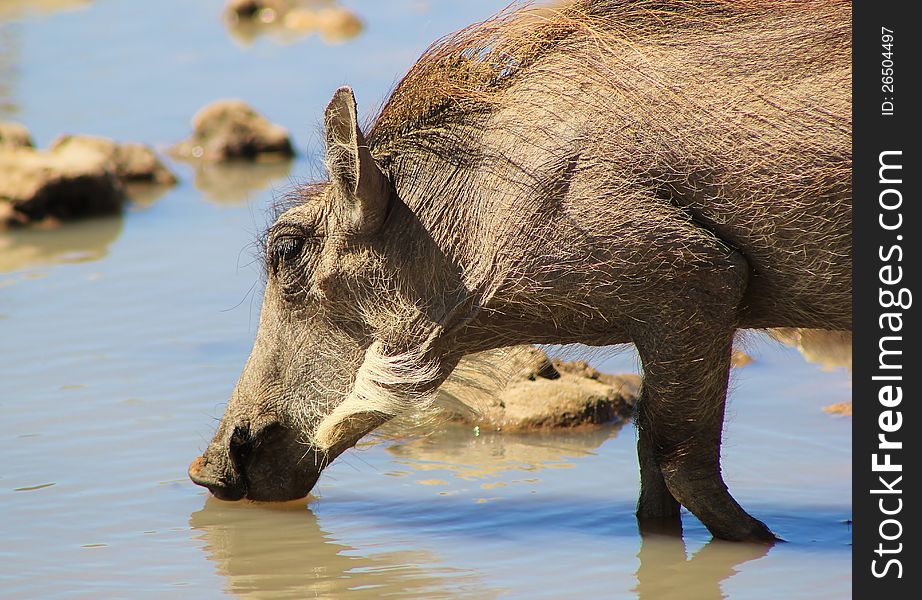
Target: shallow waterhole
[121,338]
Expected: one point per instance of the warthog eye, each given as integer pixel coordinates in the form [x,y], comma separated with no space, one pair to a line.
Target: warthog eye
[285,249]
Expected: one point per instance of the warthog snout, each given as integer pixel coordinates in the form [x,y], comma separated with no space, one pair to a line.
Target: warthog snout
[204,473]
[267,465]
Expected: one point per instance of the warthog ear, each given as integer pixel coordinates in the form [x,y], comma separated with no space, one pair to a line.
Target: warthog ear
[363,186]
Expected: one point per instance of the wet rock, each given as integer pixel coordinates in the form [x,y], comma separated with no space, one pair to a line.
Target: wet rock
[14,135]
[334,24]
[534,363]
[740,359]
[545,394]
[230,130]
[18,9]
[78,176]
[40,186]
[829,349]
[255,10]
[840,408]
[290,19]
[132,163]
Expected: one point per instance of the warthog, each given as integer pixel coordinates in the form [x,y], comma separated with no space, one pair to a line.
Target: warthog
[661,173]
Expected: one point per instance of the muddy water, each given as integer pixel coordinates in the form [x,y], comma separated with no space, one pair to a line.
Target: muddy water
[120,339]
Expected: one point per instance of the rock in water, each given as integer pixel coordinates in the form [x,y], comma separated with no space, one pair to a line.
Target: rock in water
[78,176]
[740,359]
[255,10]
[545,394]
[14,135]
[132,163]
[39,186]
[829,349]
[289,19]
[839,408]
[232,129]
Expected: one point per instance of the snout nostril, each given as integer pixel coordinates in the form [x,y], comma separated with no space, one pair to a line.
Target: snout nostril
[244,441]
[239,447]
[240,436]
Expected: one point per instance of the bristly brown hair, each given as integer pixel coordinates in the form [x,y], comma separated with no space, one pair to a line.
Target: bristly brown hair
[464,74]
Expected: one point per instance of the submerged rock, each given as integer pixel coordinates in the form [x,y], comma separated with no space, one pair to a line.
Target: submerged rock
[230,130]
[547,394]
[14,135]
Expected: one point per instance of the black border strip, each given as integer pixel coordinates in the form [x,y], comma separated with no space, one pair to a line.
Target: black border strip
[886,261]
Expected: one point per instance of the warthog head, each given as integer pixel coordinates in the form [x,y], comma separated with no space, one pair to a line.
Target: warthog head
[359,303]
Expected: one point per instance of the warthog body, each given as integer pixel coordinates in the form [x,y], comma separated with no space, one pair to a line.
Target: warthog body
[656,172]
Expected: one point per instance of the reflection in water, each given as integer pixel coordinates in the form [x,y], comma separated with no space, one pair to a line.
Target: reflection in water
[466,455]
[236,182]
[270,552]
[81,241]
[143,195]
[665,572]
